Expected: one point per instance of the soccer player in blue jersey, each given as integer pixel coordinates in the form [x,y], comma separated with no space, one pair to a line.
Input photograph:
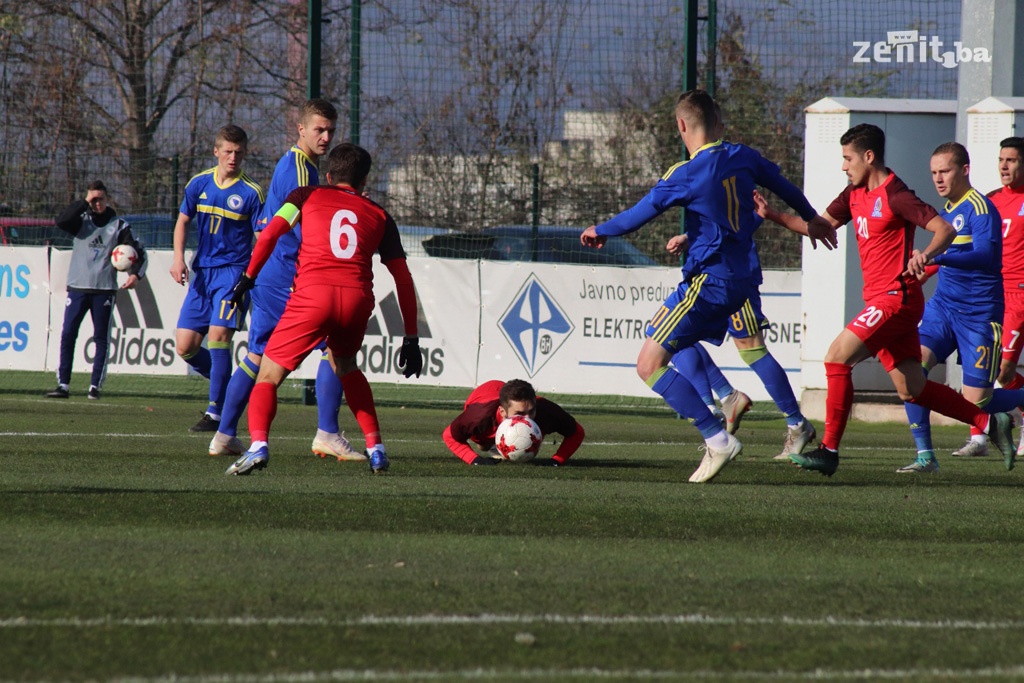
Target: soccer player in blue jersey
[966,309]
[224,205]
[297,168]
[746,327]
[716,186]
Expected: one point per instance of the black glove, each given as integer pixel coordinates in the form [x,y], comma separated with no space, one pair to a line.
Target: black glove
[410,358]
[241,288]
[484,460]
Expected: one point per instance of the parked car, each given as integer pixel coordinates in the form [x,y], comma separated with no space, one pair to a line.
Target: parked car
[552,244]
[32,231]
[413,237]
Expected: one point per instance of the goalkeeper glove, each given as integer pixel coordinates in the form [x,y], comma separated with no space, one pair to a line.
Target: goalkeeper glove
[241,288]
[410,359]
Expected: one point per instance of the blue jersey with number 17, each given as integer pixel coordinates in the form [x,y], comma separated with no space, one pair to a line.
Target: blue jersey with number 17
[717,188]
[293,171]
[225,216]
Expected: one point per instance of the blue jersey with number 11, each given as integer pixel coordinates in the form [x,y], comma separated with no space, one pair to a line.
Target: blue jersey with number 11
[717,188]
[293,171]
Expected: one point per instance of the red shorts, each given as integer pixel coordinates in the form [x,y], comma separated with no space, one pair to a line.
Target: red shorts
[888,327]
[315,313]
[1013,325]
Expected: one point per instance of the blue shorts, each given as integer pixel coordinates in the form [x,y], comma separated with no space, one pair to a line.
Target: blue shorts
[698,310]
[979,343]
[268,304]
[206,303]
[749,319]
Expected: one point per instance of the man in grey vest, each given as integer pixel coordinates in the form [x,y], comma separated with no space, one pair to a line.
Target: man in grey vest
[92,280]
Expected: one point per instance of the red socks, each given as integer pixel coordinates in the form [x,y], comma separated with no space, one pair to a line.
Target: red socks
[262,410]
[359,397]
[942,399]
[838,403]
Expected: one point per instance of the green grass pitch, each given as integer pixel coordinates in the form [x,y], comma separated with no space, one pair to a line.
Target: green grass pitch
[126,554]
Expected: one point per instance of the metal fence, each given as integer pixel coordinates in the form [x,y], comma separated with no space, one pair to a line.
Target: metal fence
[479,113]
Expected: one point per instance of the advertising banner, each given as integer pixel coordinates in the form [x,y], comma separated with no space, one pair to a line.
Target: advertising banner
[24,311]
[566,328]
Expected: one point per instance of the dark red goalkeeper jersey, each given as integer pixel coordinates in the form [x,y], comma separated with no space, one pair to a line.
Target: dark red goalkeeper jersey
[480,419]
[885,220]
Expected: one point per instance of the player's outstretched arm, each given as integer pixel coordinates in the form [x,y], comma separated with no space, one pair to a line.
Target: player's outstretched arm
[943,235]
[817,229]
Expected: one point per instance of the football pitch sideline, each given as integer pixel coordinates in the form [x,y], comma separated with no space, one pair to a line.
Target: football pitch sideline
[127,554]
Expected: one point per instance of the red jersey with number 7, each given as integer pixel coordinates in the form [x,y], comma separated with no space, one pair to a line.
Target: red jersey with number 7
[885,220]
[341,230]
[1010,203]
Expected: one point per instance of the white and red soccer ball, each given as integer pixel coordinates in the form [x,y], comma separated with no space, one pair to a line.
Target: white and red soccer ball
[518,439]
[123,257]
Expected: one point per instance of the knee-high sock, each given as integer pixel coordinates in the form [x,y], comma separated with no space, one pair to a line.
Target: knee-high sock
[919,419]
[838,403]
[328,397]
[360,402]
[220,375]
[689,364]
[774,378]
[718,381]
[200,361]
[942,399]
[684,399]
[262,410]
[237,396]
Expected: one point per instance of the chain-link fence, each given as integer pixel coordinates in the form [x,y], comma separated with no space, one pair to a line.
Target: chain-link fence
[479,113]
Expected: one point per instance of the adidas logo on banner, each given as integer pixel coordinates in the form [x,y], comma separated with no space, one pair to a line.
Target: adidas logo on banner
[382,357]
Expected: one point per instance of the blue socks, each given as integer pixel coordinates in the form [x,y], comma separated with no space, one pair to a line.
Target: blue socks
[684,399]
[237,396]
[328,397]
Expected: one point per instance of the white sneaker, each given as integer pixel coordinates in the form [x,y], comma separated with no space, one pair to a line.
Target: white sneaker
[734,406]
[715,459]
[797,439]
[325,443]
[972,449]
[1020,446]
[222,444]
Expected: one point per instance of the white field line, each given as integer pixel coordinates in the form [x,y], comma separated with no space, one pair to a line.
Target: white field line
[517,619]
[589,674]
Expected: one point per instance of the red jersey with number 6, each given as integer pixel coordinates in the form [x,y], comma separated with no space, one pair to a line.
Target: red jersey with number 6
[1010,203]
[341,230]
[885,219]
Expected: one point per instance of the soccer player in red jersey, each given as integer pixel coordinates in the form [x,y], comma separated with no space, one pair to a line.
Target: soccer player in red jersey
[492,402]
[333,297]
[1009,201]
[885,212]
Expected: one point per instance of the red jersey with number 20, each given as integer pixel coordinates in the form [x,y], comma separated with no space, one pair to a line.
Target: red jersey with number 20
[885,219]
[1010,203]
[341,230]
